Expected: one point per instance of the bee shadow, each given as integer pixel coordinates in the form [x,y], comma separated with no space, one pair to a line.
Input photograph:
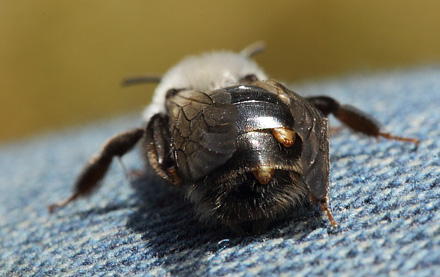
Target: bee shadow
[172,232]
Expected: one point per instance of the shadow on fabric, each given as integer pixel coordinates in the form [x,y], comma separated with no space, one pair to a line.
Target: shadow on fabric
[173,234]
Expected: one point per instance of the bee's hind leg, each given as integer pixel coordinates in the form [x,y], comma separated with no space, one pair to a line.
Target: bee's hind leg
[354,118]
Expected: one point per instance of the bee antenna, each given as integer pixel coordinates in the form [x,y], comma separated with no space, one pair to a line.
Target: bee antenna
[254,49]
[142,79]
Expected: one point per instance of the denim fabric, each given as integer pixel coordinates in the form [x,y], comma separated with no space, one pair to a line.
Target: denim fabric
[384,195]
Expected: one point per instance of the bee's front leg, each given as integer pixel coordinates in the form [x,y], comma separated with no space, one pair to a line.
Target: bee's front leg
[97,167]
[158,149]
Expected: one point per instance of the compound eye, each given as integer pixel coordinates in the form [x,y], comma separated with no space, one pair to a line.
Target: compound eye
[172,92]
[249,78]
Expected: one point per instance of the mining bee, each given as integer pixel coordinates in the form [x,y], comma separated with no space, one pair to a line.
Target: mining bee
[246,149]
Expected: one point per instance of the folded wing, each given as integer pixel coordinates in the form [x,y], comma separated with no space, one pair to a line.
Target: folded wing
[203,130]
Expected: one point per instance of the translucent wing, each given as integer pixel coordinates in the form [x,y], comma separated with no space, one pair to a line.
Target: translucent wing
[203,130]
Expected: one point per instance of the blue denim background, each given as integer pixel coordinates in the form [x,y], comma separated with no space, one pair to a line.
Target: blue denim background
[384,195]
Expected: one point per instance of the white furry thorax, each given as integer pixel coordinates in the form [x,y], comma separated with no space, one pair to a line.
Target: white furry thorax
[206,72]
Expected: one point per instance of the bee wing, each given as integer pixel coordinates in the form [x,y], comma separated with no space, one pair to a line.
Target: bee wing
[203,130]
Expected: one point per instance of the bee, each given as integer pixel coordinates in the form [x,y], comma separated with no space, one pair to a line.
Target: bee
[246,149]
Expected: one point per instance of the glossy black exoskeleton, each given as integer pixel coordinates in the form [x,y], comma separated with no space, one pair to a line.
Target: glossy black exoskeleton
[246,154]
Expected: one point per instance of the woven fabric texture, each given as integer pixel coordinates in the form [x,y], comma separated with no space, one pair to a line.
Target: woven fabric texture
[384,195]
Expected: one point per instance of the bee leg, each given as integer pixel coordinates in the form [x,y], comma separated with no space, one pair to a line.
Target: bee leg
[355,119]
[158,149]
[97,167]
[324,208]
[318,177]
